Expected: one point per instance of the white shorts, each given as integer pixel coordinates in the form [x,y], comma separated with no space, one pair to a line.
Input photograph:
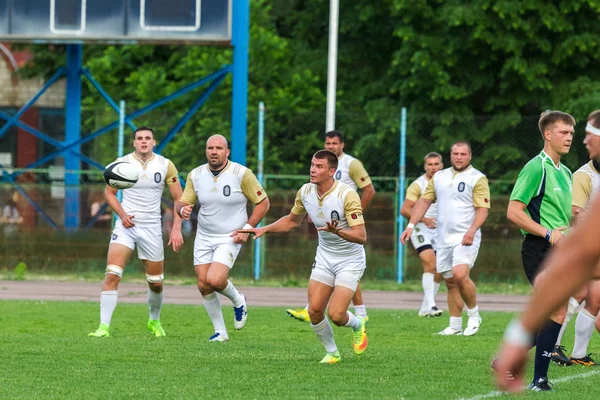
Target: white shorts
[345,272]
[449,257]
[148,239]
[423,237]
[215,248]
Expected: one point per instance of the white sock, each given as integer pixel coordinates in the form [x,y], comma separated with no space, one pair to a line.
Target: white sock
[352,321]
[584,328]
[428,290]
[155,301]
[325,334]
[436,286]
[108,303]
[473,312]
[456,323]
[213,309]
[572,306]
[361,310]
[306,308]
[232,294]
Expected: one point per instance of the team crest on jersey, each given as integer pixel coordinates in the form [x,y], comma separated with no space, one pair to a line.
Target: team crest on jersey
[335,216]
[226,190]
[338,175]
[461,187]
[157,177]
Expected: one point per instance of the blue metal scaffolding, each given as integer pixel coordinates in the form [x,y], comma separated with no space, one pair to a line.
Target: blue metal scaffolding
[70,148]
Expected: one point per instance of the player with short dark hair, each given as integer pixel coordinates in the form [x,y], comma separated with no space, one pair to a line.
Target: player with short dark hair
[340,262]
[139,224]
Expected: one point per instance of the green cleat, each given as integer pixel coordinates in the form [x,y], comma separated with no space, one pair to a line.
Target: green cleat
[331,358]
[102,331]
[156,328]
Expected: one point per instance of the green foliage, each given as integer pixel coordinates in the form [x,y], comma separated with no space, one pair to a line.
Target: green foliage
[20,271]
[480,71]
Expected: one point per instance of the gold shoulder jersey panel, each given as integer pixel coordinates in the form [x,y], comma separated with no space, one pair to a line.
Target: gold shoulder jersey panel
[252,188]
[298,208]
[359,174]
[413,192]
[430,190]
[353,209]
[582,189]
[481,193]
[171,174]
[189,194]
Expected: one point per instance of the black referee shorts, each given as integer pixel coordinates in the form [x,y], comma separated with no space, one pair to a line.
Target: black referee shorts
[533,252]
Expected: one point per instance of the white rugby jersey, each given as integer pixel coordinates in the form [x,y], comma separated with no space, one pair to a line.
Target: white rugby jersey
[223,198]
[458,194]
[586,183]
[340,203]
[416,189]
[352,172]
[143,199]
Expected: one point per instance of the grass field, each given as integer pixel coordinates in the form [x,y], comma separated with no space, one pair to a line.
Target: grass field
[46,354]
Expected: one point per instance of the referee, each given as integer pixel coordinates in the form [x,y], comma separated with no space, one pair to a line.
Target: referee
[540,204]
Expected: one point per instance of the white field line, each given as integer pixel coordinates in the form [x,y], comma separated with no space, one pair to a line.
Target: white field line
[497,393]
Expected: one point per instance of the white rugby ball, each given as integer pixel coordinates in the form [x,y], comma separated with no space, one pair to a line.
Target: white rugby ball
[120,175]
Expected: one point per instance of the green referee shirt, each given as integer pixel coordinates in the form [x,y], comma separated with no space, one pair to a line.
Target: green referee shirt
[546,190]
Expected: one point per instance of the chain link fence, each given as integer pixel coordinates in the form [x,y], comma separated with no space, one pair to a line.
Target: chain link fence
[501,146]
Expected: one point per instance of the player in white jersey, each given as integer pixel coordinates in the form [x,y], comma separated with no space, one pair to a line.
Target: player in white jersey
[586,185]
[335,210]
[351,172]
[424,236]
[463,198]
[139,224]
[222,188]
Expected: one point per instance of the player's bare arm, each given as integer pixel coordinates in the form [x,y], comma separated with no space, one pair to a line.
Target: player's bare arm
[572,264]
[259,212]
[418,212]
[406,212]
[516,214]
[356,233]
[175,237]
[282,225]
[481,214]
[111,198]
[366,196]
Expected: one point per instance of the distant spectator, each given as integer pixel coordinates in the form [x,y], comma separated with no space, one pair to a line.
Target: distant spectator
[10,217]
[103,220]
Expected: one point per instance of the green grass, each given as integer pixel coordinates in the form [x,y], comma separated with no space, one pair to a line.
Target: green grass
[47,354]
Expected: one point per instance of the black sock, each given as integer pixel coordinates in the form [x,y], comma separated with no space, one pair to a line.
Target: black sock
[546,339]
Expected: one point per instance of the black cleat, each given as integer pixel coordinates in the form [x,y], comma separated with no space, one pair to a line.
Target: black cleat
[586,361]
[542,385]
[559,357]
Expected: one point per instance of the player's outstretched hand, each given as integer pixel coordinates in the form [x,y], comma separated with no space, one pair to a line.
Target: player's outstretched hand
[176,239]
[330,227]
[509,367]
[127,220]
[186,211]
[257,232]
[406,235]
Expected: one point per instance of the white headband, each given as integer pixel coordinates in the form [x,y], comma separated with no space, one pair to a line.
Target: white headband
[592,129]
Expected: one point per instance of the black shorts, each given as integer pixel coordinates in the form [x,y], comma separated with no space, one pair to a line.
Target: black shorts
[533,253]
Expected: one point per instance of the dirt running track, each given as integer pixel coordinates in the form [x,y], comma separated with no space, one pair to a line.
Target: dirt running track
[257,296]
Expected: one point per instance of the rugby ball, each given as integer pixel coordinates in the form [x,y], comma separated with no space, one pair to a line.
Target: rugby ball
[120,175]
